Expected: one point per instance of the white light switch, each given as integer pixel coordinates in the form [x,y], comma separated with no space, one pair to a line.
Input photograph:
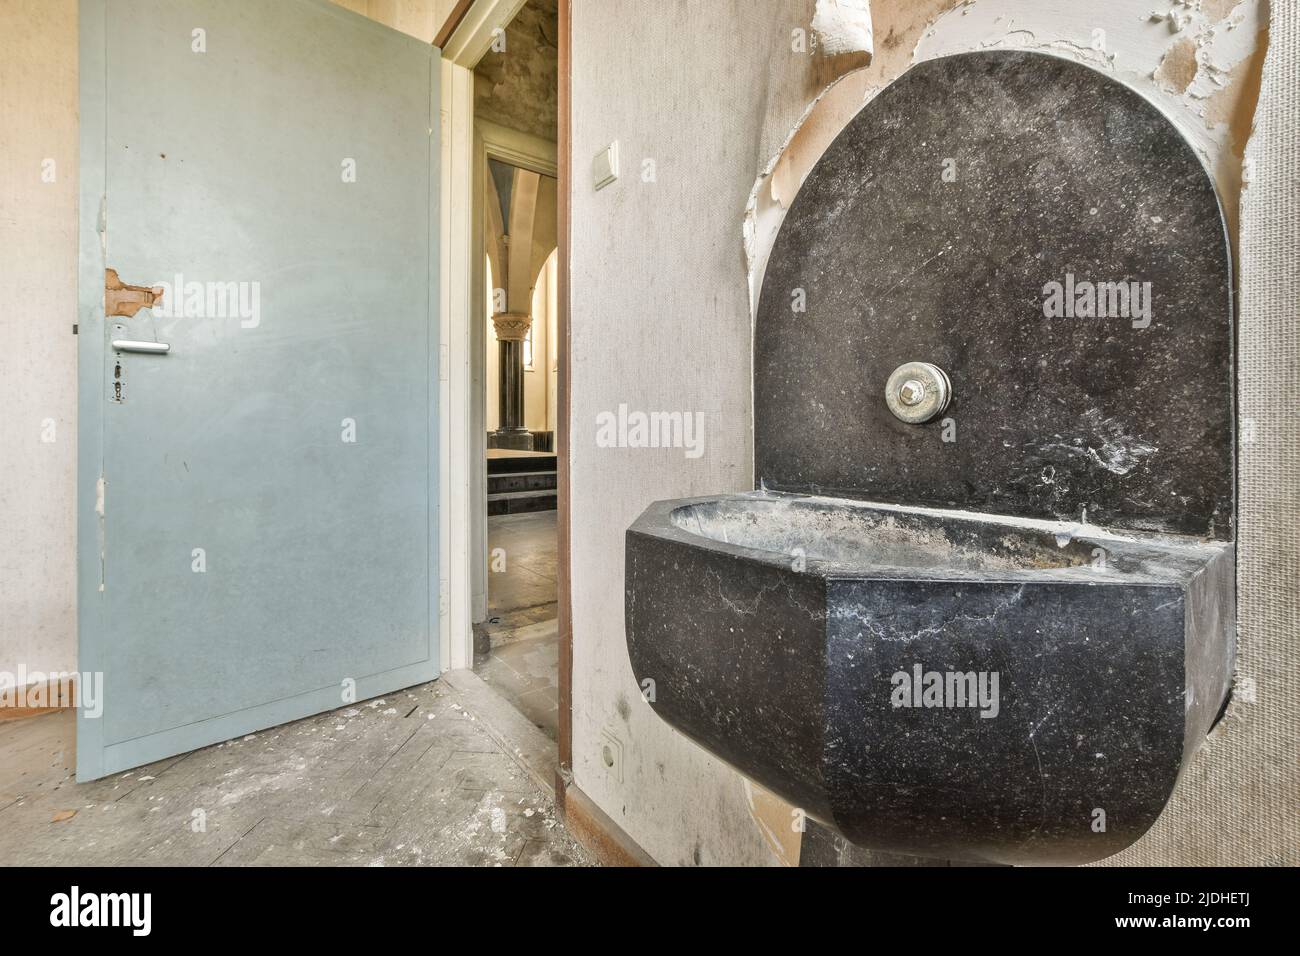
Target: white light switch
[604,168]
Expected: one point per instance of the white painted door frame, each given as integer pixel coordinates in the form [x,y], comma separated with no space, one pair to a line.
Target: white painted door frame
[464,432]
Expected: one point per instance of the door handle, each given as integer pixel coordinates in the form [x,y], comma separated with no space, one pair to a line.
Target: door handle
[151,348]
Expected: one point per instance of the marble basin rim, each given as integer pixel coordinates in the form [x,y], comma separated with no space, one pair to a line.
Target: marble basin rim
[773,629]
[847,536]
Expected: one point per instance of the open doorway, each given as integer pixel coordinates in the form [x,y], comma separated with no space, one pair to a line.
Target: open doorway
[515,124]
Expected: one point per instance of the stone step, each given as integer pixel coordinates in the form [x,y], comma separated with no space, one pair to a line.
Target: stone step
[521,502]
[522,481]
[532,461]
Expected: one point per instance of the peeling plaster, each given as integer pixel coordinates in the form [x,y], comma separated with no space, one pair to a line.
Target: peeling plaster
[1126,40]
[1199,61]
[898,25]
[843,25]
[1178,67]
[780,180]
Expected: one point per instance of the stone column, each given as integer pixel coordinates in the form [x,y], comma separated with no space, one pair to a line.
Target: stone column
[511,329]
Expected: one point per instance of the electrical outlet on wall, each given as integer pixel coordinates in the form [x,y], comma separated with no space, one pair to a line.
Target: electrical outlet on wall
[611,754]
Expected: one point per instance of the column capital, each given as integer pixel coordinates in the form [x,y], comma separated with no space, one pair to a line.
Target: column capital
[512,326]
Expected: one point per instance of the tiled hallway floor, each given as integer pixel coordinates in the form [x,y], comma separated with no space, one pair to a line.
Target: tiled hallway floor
[410,779]
[522,664]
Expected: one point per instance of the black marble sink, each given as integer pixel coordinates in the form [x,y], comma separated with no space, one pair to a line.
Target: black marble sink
[931,682]
[982,606]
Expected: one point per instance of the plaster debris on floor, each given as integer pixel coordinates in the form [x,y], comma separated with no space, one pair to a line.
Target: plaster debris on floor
[411,779]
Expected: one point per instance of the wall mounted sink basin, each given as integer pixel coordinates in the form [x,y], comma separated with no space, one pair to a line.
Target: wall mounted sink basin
[934,683]
[981,606]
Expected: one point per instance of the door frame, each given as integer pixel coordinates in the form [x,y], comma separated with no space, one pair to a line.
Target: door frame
[92,108]
[564,234]
[464,38]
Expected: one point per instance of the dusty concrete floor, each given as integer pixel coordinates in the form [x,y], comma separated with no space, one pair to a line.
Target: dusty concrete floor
[523,662]
[528,579]
[410,779]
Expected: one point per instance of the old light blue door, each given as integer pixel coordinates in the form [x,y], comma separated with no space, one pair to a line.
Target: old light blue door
[257,518]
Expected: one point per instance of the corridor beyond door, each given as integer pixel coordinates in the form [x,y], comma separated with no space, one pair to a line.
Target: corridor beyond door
[518,217]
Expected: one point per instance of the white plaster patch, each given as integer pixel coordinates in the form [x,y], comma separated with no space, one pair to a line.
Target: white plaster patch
[844,26]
